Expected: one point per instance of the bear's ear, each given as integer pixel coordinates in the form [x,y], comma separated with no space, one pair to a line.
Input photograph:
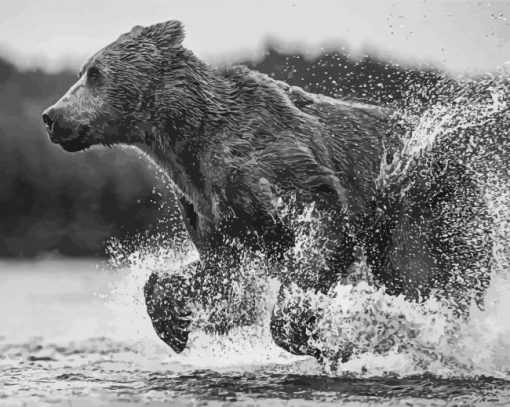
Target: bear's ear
[137,29]
[169,34]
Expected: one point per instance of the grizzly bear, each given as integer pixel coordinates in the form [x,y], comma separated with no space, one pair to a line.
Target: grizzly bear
[241,149]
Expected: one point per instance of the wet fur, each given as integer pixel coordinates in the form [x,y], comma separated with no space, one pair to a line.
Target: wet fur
[233,141]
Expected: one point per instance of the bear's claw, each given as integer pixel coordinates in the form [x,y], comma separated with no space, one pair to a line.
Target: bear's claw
[170,319]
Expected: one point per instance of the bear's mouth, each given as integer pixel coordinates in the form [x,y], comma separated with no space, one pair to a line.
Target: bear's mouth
[73,146]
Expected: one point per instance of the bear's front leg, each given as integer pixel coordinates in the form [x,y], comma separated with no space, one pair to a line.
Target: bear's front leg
[294,324]
[321,262]
[212,295]
[167,300]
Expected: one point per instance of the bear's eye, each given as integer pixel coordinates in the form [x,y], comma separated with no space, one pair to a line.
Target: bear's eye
[93,73]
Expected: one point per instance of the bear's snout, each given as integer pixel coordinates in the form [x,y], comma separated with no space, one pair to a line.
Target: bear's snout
[49,117]
[62,131]
[56,126]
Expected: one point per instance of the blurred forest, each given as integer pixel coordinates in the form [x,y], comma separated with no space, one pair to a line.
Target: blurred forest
[71,204]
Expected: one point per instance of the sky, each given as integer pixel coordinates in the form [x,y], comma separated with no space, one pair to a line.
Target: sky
[461,36]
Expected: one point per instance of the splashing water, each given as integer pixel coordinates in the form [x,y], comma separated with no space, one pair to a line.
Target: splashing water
[389,334]
[386,333]
[389,337]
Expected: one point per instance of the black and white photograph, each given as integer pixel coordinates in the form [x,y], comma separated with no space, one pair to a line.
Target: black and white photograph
[254,203]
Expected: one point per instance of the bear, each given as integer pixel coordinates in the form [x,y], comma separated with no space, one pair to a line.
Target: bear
[241,147]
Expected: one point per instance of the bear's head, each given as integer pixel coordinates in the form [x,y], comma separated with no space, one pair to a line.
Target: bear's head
[120,89]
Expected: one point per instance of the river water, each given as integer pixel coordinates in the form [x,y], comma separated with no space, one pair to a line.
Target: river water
[75,333]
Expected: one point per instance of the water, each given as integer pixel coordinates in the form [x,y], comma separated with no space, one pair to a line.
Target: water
[76,333]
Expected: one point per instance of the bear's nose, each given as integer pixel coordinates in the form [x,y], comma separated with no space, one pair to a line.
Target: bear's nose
[49,118]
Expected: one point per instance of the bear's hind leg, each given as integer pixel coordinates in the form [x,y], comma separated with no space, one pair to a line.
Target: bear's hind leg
[431,235]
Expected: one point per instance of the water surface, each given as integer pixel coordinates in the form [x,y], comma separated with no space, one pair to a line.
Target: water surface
[74,333]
